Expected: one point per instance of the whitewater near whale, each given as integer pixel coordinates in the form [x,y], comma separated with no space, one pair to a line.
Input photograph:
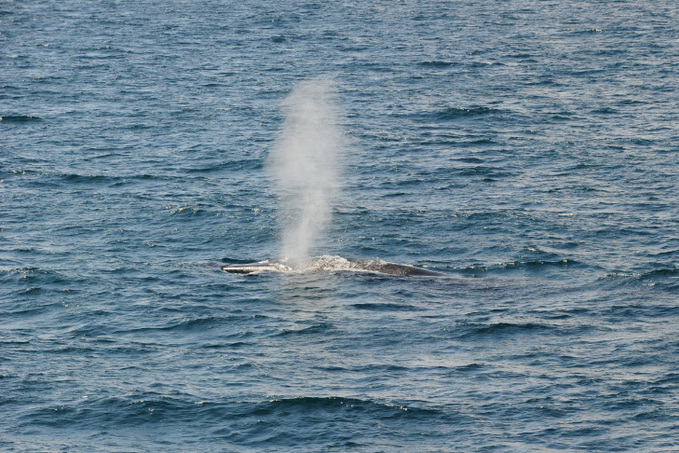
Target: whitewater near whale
[328,263]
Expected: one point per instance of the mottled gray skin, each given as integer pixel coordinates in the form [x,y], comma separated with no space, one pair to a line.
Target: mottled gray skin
[390,268]
[353,264]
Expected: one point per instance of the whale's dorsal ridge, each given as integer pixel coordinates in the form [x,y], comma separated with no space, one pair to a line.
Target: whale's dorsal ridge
[331,264]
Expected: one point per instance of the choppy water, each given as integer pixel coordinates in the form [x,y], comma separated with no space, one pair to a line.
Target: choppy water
[527,148]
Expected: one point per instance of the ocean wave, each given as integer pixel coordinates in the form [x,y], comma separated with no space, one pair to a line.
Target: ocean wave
[315,329]
[19,118]
[664,278]
[648,275]
[452,113]
[184,325]
[438,64]
[334,403]
[226,417]
[33,277]
[532,265]
[93,412]
[500,329]
[386,306]
[46,178]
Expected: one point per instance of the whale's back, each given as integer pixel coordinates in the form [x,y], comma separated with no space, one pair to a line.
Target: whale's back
[328,263]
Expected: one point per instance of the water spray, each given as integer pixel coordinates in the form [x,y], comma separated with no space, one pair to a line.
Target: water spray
[304,165]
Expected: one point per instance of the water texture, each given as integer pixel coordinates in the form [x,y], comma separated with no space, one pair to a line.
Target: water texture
[527,149]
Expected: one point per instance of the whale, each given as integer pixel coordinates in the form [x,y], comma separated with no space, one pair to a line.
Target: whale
[330,264]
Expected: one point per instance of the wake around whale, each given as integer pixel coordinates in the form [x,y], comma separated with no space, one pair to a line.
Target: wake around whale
[328,263]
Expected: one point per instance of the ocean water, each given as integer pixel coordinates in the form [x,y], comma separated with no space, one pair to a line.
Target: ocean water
[528,150]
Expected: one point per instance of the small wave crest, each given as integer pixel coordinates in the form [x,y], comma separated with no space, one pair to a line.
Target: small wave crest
[663,278]
[533,265]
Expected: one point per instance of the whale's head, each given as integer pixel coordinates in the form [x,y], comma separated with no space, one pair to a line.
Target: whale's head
[251,268]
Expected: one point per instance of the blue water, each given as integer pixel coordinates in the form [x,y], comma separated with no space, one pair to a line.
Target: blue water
[528,149]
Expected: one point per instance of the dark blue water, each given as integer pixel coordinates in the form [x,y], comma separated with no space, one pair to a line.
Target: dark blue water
[529,149]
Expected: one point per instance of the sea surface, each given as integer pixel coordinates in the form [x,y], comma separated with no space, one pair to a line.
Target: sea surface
[527,150]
